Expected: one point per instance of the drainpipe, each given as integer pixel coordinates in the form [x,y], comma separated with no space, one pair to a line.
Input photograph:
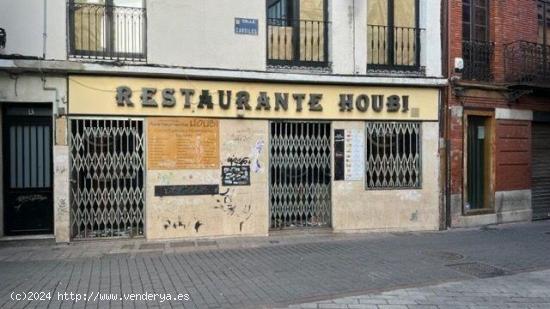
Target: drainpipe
[448,119]
[45,28]
[56,104]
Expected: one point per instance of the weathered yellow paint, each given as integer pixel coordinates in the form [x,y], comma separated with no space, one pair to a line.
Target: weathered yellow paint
[90,95]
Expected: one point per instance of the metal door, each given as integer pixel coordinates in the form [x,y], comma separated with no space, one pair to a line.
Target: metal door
[28,199]
[107,167]
[300,175]
[541,171]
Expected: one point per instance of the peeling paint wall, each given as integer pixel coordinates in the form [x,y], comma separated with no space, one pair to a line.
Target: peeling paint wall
[236,210]
[355,208]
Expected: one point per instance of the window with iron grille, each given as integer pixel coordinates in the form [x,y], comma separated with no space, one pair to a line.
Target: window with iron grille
[297,33]
[477,50]
[393,35]
[107,29]
[393,155]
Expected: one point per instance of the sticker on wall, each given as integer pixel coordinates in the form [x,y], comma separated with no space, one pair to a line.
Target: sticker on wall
[237,173]
[183,143]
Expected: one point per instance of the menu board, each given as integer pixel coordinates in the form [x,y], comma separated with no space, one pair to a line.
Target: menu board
[354,142]
[183,143]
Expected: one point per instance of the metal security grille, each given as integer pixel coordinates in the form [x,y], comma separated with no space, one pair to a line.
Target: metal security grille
[541,171]
[300,174]
[107,167]
[393,155]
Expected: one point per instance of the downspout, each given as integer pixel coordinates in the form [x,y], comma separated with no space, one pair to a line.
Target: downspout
[448,117]
[45,29]
[56,104]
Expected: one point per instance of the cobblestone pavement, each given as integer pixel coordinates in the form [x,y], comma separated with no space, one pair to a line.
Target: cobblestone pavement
[271,272]
[521,291]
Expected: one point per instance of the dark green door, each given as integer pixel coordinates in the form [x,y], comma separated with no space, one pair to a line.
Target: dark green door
[28,198]
[477,138]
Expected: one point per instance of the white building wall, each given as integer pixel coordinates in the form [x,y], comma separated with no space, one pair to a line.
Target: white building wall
[430,20]
[341,39]
[194,33]
[23,21]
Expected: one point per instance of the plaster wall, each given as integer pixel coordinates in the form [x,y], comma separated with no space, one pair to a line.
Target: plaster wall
[242,210]
[201,34]
[23,21]
[356,209]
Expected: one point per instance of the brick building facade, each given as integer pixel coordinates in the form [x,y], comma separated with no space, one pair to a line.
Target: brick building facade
[497,120]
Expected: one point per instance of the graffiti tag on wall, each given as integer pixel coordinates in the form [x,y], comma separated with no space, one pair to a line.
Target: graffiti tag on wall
[237,173]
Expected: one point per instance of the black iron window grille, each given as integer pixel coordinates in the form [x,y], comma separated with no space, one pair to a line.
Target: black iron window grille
[477,50]
[393,35]
[107,31]
[297,33]
[477,57]
[393,48]
[393,155]
[527,63]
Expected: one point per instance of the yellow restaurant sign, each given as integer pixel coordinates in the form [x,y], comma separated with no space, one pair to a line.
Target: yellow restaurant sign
[90,95]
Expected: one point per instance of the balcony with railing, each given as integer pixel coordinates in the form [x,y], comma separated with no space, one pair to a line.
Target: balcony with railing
[106,32]
[478,57]
[527,63]
[297,42]
[393,48]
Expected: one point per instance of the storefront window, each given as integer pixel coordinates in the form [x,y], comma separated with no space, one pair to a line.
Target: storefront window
[393,155]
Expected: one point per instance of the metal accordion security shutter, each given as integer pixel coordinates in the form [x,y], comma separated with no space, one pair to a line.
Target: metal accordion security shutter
[107,174]
[300,175]
[541,171]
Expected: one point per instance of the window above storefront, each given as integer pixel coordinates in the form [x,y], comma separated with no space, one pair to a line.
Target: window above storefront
[107,30]
[393,35]
[297,33]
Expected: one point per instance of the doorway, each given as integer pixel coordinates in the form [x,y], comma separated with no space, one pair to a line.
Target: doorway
[479,164]
[300,174]
[28,177]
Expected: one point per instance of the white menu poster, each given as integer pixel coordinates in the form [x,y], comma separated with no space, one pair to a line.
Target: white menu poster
[354,154]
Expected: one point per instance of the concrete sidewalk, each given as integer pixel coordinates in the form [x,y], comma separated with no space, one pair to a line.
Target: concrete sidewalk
[275,271]
[522,291]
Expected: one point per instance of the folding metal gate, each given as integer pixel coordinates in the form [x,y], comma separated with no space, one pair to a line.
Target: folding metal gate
[541,171]
[107,167]
[300,174]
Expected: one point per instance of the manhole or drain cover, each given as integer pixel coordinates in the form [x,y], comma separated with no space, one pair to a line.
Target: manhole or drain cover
[479,270]
[151,246]
[273,241]
[547,233]
[443,255]
[127,247]
[206,243]
[182,244]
